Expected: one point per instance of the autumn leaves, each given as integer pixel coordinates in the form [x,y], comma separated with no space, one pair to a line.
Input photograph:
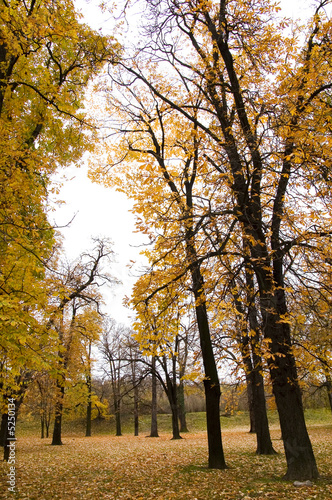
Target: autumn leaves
[214,123]
[219,129]
[47,58]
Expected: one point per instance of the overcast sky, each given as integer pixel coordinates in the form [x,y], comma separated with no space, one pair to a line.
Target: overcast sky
[100,211]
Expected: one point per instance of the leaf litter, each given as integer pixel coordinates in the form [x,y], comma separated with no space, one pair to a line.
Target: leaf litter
[140,468]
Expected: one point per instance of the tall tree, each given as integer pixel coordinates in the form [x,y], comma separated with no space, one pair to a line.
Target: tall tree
[112,347]
[47,58]
[265,115]
[154,137]
[73,291]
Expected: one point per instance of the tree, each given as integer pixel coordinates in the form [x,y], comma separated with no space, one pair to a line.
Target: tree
[136,376]
[73,291]
[154,401]
[40,398]
[113,351]
[47,58]
[155,334]
[265,116]
[161,332]
[151,133]
[241,303]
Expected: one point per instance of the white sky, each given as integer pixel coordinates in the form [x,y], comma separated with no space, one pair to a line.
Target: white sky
[103,212]
[99,212]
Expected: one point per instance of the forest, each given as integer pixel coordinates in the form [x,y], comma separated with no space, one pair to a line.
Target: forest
[214,118]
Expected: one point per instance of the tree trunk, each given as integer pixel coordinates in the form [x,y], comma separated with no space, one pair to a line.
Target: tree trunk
[175,421]
[301,463]
[47,418]
[154,420]
[3,429]
[56,440]
[6,450]
[256,396]
[211,385]
[255,366]
[117,411]
[136,409]
[171,390]
[182,408]
[89,407]
[328,385]
[250,397]
[42,425]
[264,442]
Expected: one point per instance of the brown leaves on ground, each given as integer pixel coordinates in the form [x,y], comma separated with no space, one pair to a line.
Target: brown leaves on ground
[140,468]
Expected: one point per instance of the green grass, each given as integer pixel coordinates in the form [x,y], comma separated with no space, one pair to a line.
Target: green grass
[196,423]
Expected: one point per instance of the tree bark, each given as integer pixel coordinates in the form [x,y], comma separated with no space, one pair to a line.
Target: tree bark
[136,410]
[154,420]
[171,390]
[3,428]
[117,411]
[251,358]
[89,407]
[250,397]
[211,382]
[301,463]
[42,425]
[47,424]
[182,408]
[328,385]
[175,421]
[57,429]
[264,442]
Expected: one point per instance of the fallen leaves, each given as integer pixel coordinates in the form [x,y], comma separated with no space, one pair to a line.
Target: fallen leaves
[137,468]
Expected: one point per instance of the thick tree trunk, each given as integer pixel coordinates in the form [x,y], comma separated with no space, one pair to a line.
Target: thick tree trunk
[261,423]
[301,463]
[56,440]
[329,394]
[211,385]
[250,397]
[182,408]
[154,420]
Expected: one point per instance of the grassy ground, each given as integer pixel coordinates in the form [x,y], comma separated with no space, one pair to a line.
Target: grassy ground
[140,468]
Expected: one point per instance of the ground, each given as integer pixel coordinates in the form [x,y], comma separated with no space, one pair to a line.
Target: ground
[128,468]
